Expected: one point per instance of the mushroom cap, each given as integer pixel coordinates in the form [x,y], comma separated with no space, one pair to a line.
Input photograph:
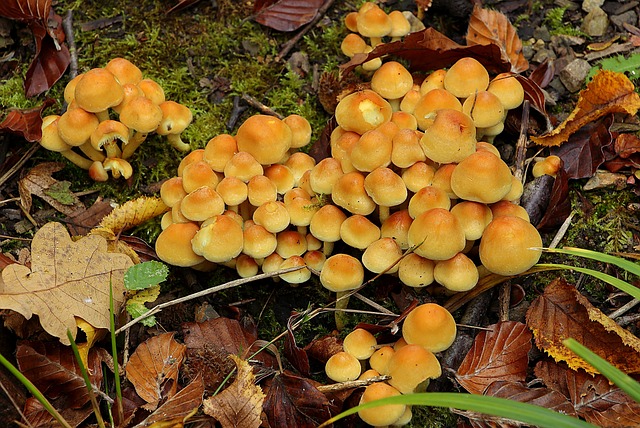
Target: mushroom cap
[416,271]
[232,190]
[291,243]
[173,245]
[379,360]
[194,156]
[219,150]
[426,198]
[341,149]
[300,130]
[69,90]
[451,138]
[352,44]
[273,215]
[392,80]
[350,21]
[282,176]
[272,263]
[261,190]
[442,179]
[299,163]
[404,119]
[50,139]
[436,234]
[465,77]
[325,223]
[484,108]
[98,90]
[435,80]
[508,89]
[315,259]
[459,273]
[175,118]
[359,232]
[410,366]
[400,25]
[301,210]
[141,114]
[259,243]
[266,138]
[297,276]
[372,150]
[201,204]
[131,91]
[108,131]
[360,343]
[220,240]
[342,272]
[243,166]
[510,245]
[481,177]
[198,174]
[473,217]
[418,175]
[76,125]
[324,175]
[385,187]
[152,90]
[396,226]
[246,266]
[431,326]
[342,367]
[373,22]
[350,194]
[384,415]
[428,105]
[362,111]
[502,208]
[124,71]
[171,191]
[548,166]
[382,256]
[406,149]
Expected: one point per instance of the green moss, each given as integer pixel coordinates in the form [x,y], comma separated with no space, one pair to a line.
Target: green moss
[555,22]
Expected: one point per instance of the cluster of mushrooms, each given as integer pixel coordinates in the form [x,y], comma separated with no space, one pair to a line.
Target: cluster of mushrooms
[110,112]
[410,361]
[409,187]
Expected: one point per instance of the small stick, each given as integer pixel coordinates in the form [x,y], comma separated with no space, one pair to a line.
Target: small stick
[236,112]
[263,108]
[67,25]
[521,146]
[292,42]
[341,386]
[623,309]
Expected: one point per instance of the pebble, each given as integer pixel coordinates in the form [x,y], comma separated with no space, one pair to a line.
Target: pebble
[574,74]
[590,5]
[628,17]
[595,23]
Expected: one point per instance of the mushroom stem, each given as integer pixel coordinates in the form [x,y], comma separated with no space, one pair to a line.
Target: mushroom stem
[327,248]
[177,143]
[77,159]
[134,142]
[112,149]
[383,213]
[102,115]
[92,153]
[342,302]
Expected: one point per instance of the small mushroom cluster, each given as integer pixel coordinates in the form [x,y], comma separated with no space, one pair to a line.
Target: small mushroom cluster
[372,23]
[110,112]
[410,361]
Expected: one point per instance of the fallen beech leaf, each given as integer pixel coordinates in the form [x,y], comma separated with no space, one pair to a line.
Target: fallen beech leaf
[593,397]
[240,404]
[286,15]
[562,312]
[295,355]
[82,222]
[38,181]
[294,402]
[133,213]
[153,368]
[25,10]
[177,409]
[500,354]
[39,417]
[66,279]
[488,26]
[608,92]
[626,144]
[26,123]
[322,348]
[54,370]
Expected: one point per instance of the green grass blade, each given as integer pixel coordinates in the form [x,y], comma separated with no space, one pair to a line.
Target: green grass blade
[114,353]
[87,381]
[34,391]
[616,282]
[625,264]
[618,377]
[523,412]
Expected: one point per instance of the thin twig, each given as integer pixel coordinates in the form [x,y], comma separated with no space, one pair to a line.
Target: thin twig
[624,309]
[67,25]
[10,397]
[292,42]
[521,145]
[561,231]
[18,165]
[374,304]
[264,109]
[341,386]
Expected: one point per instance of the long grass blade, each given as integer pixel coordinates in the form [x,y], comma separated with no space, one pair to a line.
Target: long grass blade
[627,265]
[114,353]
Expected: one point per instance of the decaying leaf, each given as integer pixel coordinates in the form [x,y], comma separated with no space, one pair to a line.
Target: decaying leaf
[178,408]
[38,181]
[286,15]
[67,279]
[153,368]
[500,354]
[593,397]
[562,312]
[133,213]
[240,404]
[26,123]
[488,26]
[136,304]
[608,92]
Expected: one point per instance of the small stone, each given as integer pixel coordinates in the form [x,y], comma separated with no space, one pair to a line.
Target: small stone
[629,17]
[574,74]
[542,55]
[590,5]
[595,23]
[542,33]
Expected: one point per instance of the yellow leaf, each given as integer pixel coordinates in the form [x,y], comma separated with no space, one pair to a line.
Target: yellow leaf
[133,213]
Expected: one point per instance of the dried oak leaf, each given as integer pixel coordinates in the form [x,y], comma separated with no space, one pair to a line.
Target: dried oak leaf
[39,417]
[488,26]
[27,122]
[67,279]
[240,404]
[39,181]
[562,312]
[499,354]
[294,402]
[153,368]
[286,15]
[594,398]
[54,370]
[133,213]
[177,409]
[608,92]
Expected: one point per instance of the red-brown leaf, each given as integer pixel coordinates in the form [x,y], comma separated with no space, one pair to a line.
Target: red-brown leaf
[288,15]
[26,123]
[559,206]
[178,407]
[626,144]
[25,10]
[500,354]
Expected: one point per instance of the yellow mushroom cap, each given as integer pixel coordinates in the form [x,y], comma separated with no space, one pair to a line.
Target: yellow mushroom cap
[465,77]
[357,231]
[481,177]
[360,343]
[124,70]
[342,367]
[382,256]
[410,366]
[508,89]
[451,138]
[392,80]
[473,217]
[371,151]
[259,243]
[273,215]
[220,240]
[76,125]
[141,114]
[428,104]
[173,245]
[431,326]
[436,234]
[243,166]
[379,360]
[362,111]
[458,273]
[201,204]
[416,271]
[342,272]
[152,90]
[397,226]
[350,194]
[384,415]
[98,90]
[484,108]
[266,138]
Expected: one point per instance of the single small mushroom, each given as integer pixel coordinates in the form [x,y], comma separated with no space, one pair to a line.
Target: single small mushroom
[259,243]
[436,234]
[411,367]
[142,116]
[297,276]
[342,367]
[118,167]
[430,326]
[451,138]
[175,119]
[124,71]
[416,271]
[397,226]
[359,232]
[481,177]
[266,138]
[428,105]
[152,90]
[350,194]
[458,273]
[382,256]
[374,23]
[465,77]
[219,150]
[106,136]
[360,343]
[379,360]
[97,91]
[362,111]
[220,241]
[392,80]
[173,245]
[385,415]
[387,190]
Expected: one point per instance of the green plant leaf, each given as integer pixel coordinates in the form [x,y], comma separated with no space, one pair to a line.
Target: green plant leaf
[625,264]
[135,305]
[618,377]
[620,64]
[145,275]
[523,412]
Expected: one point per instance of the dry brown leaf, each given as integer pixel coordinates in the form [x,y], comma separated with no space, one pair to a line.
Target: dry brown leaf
[488,26]
[500,354]
[178,408]
[608,92]
[39,181]
[153,368]
[240,404]
[562,312]
[67,279]
[133,213]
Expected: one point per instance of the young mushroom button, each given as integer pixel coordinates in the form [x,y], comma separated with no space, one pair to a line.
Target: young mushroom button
[175,119]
